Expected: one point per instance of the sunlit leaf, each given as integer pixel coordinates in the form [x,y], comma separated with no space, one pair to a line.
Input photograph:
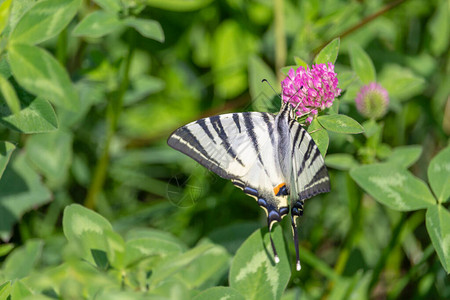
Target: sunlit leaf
[88,230]
[172,266]
[51,153]
[41,74]
[341,161]
[98,24]
[207,270]
[329,53]
[320,136]
[438,227]
[405,156]
[44,20]
[110,5]
[439,175]
[219,292]
[37,116]
[300,62]
[149,28]
[340,124]
[19,290]
[9,94]
[362,64]
[6,149]
[393,186]
[253,271]
[178,5]
[4,14]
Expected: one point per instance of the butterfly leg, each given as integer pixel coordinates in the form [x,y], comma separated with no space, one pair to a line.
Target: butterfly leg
[296,211]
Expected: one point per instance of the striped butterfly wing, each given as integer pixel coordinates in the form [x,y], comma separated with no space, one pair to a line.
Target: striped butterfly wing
[241,147]
[309,175]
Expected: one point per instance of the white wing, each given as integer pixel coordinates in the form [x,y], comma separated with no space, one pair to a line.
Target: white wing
[309,175]
[242,147]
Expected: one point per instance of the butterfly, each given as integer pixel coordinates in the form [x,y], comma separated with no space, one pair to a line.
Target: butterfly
[271,157]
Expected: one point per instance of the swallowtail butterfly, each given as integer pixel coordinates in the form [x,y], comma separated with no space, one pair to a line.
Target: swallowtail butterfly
[270,157]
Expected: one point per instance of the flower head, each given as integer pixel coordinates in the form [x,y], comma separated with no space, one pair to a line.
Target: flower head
[311,90]
[372,101]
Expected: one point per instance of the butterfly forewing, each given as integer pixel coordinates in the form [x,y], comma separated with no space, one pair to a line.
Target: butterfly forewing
[241,147]
[309,172]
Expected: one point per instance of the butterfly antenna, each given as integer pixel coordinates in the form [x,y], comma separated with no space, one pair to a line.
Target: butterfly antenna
[266,81]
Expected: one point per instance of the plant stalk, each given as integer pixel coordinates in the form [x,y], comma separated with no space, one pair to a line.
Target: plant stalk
[112,116]
[280,38]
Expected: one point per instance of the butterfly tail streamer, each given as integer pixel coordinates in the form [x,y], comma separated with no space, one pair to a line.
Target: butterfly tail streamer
[295,235]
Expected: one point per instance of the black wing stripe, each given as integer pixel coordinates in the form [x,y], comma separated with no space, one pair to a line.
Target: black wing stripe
[316,155]
[297,133]
[184,141]
[218,127]
[236,121]
[251,133]
[270,128]
[205,128]
[311,146]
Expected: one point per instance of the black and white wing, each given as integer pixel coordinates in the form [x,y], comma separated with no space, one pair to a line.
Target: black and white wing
[309,175]
[242,147]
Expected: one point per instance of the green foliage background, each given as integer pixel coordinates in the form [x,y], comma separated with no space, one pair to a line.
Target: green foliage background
[90,91]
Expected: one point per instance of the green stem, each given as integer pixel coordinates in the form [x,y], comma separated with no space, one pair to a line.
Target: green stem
[280,39]
[112,116]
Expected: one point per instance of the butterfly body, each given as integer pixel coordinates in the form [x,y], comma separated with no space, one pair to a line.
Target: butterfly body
[270,157]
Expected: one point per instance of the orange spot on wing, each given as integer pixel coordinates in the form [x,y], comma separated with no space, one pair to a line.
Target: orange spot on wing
[278,187]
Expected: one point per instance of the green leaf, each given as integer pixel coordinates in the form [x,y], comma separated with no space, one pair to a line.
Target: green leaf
[362,64]
[88,230]
[320,136]
[4,14]
[345,78]
[253,271]
[140,248]
[439,28]
[300,62]
[393,186]
[41,74]
[285,70]
[6,149]
[400,82]
[405,156]
[341,161]
[5,249]
[98,24]
[9,94]
[178,5]
[51,153]
[438,227]
[19,290]
[23,259]
[20,191]
[207,270]
[171,266]
[329,53]
[44,20]
[5,290]
[148,28]
[340,124]
[439,175]
[37,116]
[219,292]
[110,5]
[261,93]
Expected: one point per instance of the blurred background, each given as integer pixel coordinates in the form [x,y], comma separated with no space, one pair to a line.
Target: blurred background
[202,58]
